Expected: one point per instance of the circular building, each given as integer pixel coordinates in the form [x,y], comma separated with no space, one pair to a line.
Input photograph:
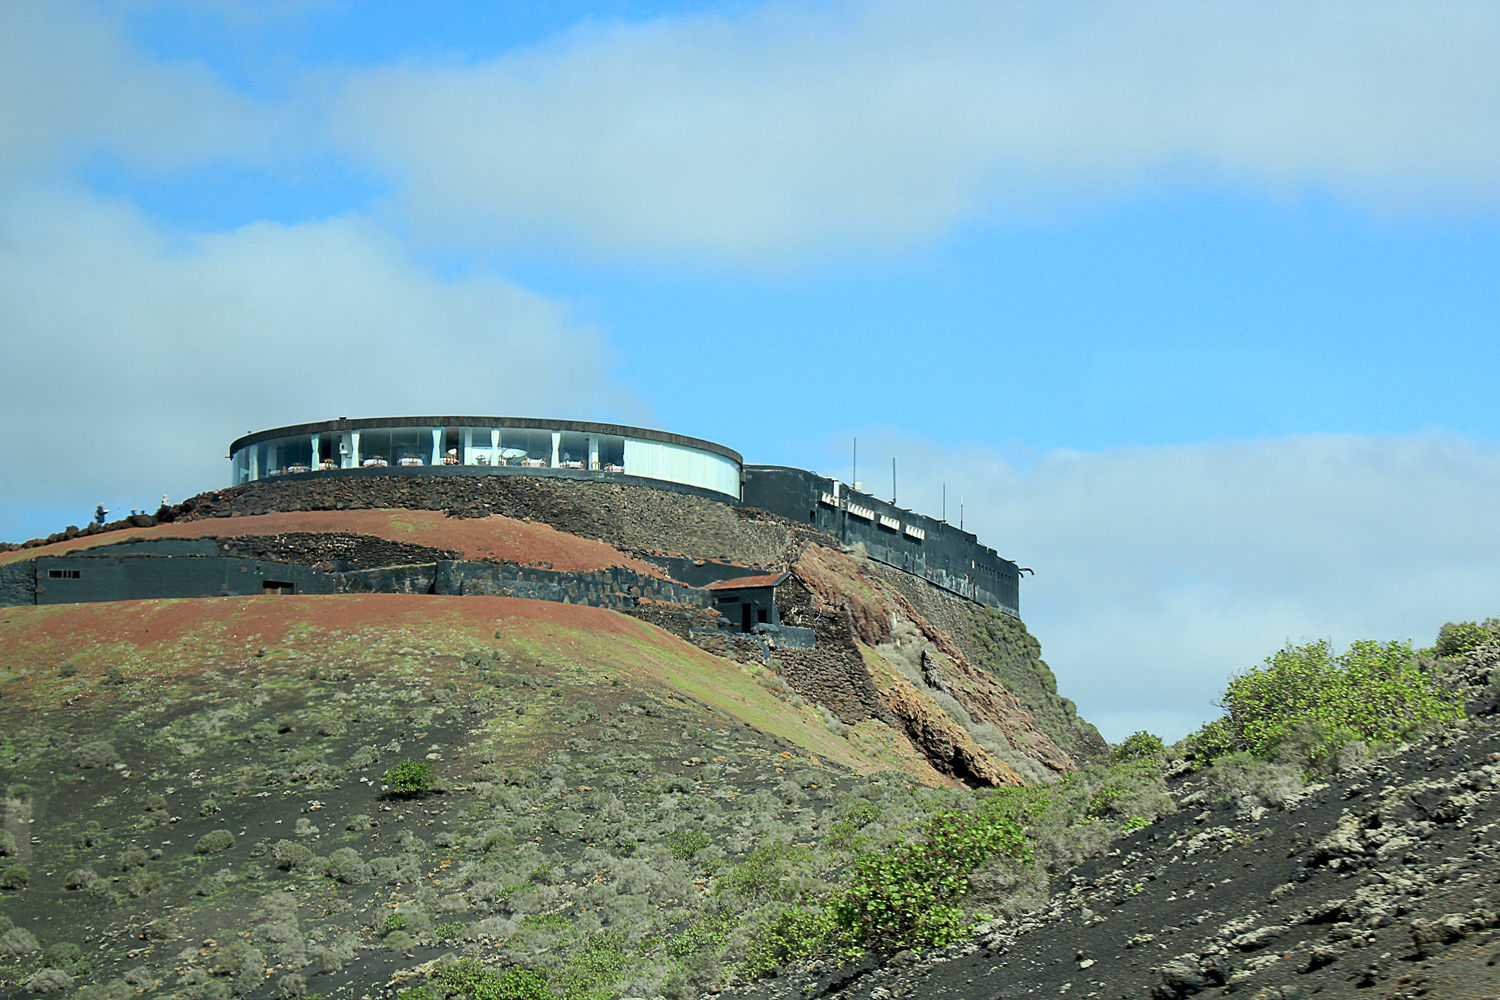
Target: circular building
[490,445]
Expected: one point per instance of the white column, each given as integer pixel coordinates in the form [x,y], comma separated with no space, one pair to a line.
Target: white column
[438,434]
[255,461]
[313,462]
[494,446]
[468,446]
[354,449]
[593,452]
[556,441]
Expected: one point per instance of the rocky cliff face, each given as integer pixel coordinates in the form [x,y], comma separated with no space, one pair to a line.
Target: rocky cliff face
[927,686]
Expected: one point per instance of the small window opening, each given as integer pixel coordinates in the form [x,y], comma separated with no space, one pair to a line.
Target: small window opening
[277,587]
[64,574]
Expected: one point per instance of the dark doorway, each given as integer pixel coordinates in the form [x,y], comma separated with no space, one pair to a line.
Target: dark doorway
[277,587]
[746,619]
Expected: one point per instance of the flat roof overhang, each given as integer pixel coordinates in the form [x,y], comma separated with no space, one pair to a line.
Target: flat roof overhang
[526,423]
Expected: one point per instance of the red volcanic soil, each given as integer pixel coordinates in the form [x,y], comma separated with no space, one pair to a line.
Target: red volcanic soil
[238,619]
[495,537]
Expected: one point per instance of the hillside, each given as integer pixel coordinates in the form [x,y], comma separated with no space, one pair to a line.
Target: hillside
[187,776]
[198,791]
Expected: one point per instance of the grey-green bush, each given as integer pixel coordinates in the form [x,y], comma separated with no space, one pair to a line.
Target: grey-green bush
[291,855]
[17,942]
[96,753]
[214,842]
[48,981]
[348,867]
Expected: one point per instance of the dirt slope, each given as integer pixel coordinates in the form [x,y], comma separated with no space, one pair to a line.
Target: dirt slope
[496,537]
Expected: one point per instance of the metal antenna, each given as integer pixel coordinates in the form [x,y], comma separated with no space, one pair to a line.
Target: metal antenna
[854,470]
[893,480]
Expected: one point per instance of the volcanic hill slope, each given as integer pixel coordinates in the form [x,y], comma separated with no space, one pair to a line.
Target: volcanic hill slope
[196,802]
[199,802]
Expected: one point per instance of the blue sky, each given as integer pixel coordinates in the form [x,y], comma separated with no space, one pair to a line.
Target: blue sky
[1194,305]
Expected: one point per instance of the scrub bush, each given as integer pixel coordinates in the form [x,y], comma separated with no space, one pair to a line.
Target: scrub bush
[410,778]
[48,981]
[17,942]
[14,877]
[1140,745]
[348,867]
[1457,638]
[214,842]
[96,753]
[292,856]
[1305,704]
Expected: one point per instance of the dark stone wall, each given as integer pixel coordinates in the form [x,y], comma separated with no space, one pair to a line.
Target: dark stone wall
[18,583]
[135,578]
[145,576]
[948,556]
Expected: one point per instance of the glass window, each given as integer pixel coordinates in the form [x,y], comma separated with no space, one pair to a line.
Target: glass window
[572,450]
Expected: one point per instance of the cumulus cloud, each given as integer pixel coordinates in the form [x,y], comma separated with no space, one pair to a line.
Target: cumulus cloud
[133,356]
[1161,571]
[790,129]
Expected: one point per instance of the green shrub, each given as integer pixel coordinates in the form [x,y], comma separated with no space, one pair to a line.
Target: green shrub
[763,875]
[1305,703]
[685,843]
[1457,638]
[796,932]
[62,955]
[410,777]
[7,843]
[214,842]
[14,877]
[1140,745]
[907,896]
[394,922]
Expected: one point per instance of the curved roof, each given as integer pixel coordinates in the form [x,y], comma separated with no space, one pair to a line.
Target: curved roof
[530,423]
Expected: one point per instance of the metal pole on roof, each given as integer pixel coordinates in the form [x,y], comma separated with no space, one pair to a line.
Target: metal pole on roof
[854,469]
[945,503]
[893,480]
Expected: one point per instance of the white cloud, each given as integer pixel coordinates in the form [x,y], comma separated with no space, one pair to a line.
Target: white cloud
[791,129]
[74,85]
[1161,571]
[131,357]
